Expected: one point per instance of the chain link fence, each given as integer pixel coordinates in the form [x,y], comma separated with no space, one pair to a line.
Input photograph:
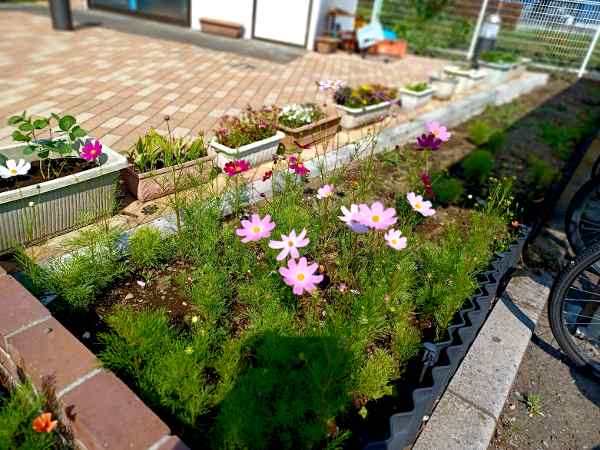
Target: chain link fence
[553,33]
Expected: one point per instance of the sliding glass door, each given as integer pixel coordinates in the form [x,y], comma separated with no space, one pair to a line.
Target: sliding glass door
[168,10]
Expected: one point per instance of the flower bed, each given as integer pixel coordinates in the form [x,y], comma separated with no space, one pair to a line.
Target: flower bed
[51,184]
[299,320]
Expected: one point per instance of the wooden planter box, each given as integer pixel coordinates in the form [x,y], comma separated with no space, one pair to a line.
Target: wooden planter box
[312,133]
[256,153]
[221,27]
[326,44]
[412,100]
[59,205]
[158,183]
[357,117]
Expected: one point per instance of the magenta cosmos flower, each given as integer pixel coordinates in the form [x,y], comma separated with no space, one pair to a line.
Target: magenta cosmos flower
[234,167]
[290,244]
[376,216]
[394,239]
[91,151]
[255,228]
[301,276]
[351,217]
[421,206]
[428,142]
[297,166]
[325,191]
[439,131]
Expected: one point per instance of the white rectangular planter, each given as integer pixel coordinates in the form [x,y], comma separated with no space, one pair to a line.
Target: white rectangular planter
[357,117]
[256,153]
[445,86]
[497,73]
[413,100]
[59,205]
[467,78]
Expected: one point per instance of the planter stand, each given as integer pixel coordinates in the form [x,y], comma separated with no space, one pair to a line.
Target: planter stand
[412,100]
[497,73]
[312,133]
[158,183]
[58,205]
[256,153]
[445,86]
[467,78]
[357,117]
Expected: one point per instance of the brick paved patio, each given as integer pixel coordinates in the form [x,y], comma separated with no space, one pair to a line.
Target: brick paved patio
[119,85]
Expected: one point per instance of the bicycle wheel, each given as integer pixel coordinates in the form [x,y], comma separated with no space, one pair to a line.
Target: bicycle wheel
[596,168]
[574,310]
[582,221]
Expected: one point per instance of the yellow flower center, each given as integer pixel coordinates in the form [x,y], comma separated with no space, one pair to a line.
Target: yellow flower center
[300,277]
[256,229]
[418,205]
[394,241]
[375,219]
[13,171]
[290,243]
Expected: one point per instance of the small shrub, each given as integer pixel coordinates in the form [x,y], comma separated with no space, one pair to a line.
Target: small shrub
[417,87]
[447,190]
[498,57]
[480,132]
[496,142]
[478,166]
[561,140]
[540,175]
[251,126]
[146,248]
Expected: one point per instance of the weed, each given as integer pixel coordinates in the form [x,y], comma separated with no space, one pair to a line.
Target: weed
[480,132]
[478,165]
[147,249]
[534,404]
[447,190]
[540,175]
[560,139]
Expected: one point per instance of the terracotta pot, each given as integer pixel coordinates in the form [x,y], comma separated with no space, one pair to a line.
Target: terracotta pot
[158,183]
[312,133]
[391,48]
[221,27]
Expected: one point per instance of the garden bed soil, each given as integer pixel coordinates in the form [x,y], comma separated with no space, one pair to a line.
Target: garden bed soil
[71,166]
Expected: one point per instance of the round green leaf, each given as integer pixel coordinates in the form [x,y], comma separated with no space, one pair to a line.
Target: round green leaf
[77,132]
[13,120]
[20,137]
[40,123]
[29,150]
[25,126]
[66,123]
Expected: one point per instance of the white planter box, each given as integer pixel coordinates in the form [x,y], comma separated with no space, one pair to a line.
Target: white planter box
[497,73]
[445,87]
[357,117]
[467,78]
[256,153]
[412,100]
[61,204]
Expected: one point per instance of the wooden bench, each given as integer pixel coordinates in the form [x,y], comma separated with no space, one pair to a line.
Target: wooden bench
[221,27]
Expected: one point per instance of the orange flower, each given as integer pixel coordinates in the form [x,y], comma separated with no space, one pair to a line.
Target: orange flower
[44,423]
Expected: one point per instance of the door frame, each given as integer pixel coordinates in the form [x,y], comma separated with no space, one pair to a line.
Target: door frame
[154,17]
[275,41]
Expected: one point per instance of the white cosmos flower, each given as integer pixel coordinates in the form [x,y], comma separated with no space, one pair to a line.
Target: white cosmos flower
[418,204]
[12,168]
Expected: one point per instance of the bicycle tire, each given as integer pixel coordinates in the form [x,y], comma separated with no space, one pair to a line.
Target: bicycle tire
[596,168]
[556,305]
[578,240]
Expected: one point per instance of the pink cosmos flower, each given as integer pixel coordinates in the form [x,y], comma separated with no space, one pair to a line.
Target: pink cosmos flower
[297,166]
[325,191]
[423,207]
[394,240]
[351,218]
[290,244]
[91,151]
[439,131]
[256,228]
[376,216]
[301,276]
[234,167]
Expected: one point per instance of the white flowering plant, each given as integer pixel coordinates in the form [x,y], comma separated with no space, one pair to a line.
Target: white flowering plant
[299,115]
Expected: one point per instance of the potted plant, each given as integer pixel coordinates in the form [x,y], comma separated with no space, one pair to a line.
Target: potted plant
[415,95]
[307,124]
[466,76]
[364,104]
[159,164]
[55,184]
[498,65]
[444,85]
[253,137]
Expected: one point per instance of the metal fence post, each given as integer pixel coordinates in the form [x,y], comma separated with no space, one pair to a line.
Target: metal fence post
[588,55]
[477,29]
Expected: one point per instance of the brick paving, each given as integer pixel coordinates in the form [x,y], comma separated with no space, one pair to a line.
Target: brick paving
[119,85]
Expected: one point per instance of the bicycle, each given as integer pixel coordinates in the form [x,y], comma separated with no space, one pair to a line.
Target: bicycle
[574,302]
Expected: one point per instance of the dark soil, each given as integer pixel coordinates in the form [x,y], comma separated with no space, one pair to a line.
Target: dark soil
[61,167]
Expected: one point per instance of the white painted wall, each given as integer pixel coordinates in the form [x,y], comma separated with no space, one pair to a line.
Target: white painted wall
[238,11]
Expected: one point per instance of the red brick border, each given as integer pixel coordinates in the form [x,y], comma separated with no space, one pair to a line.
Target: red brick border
[101,411]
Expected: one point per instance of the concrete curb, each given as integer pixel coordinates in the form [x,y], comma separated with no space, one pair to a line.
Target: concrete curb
[466,415]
